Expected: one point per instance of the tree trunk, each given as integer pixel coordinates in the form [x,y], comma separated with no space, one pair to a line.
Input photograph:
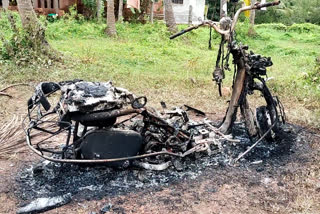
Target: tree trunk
[223,8]
[190,15]
[111,20]
[49,4]
[35,31]
[55,6]
[28,16]
[98,9]
[35,4]
[151,11]
[169,16]
[5,4]
[251,31]
[42,4]
[120,12]
[252,13]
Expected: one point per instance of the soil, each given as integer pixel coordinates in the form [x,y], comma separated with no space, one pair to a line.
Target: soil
[282,177]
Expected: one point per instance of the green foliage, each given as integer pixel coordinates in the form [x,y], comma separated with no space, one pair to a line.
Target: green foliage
[275,26]
[298,28]
[314,76]
[304,28]
[14,40]
[75,25]
[24,45]
[244,30]
[91,5]
[62,29]
[214,9]
[5,27]
[290,12]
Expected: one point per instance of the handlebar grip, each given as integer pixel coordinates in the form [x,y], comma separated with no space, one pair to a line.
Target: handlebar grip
[185,31]
[178,34]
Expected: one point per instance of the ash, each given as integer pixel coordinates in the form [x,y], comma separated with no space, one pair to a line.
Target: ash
[92,182]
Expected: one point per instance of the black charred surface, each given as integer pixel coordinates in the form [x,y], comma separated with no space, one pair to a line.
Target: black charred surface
[46,179]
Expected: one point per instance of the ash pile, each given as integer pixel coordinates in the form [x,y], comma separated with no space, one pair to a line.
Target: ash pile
[103,141]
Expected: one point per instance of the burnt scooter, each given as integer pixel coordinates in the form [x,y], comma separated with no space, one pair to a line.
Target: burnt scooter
[86,114]
[249,72]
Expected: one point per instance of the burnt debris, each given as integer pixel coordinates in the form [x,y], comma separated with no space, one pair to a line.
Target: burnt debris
[47,179]
[104,126]
[99,137]
[100,123]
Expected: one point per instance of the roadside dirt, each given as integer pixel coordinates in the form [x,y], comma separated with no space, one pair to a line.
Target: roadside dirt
[286,182]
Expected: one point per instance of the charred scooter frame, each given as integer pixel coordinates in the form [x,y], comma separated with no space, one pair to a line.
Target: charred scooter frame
[249,69]
[86,114]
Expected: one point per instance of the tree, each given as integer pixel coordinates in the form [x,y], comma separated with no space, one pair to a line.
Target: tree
[31,24]
[190,15]
[27,45]
[223,8]
[151,11]
[120,12]
[55,5]
[99,4]
[5,4]
[169,16]
[252,13]
[111,20]
[252,17]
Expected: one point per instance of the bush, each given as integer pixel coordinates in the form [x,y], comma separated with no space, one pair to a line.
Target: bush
[74,24]
[290,12]
[25,45]
[314,76]
[242,30]
[304,28]
[275,26]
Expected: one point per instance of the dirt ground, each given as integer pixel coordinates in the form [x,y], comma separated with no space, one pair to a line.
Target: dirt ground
[287,183]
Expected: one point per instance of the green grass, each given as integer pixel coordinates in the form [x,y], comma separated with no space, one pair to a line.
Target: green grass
[144,60]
